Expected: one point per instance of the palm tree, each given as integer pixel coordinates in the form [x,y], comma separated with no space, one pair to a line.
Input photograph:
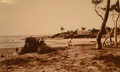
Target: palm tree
[62,29]
[83,30]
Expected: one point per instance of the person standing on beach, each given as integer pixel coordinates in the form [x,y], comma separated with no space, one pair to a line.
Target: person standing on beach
[17,50]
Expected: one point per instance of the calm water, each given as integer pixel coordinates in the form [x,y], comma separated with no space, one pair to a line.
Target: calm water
[13,41]
[18,41]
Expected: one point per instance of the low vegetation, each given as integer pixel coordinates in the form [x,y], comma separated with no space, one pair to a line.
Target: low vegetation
[35,45]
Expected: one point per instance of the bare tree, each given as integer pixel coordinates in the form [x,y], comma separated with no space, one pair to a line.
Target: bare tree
[115,17]
[99,11]
[105,18]
[109,34]
[115,13]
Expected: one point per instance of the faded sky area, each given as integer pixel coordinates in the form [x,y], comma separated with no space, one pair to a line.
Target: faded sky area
[35,17]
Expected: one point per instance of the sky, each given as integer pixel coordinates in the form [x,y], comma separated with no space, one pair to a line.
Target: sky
[35,17]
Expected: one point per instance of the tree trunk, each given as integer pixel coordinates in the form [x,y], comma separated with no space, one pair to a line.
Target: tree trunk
[115,35]
[109,34]
[99,36]
[115,31]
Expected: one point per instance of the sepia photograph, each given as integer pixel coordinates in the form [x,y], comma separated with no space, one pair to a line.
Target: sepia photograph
[59,35]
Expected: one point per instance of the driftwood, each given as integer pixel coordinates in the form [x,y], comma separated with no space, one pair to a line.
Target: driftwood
[35,45]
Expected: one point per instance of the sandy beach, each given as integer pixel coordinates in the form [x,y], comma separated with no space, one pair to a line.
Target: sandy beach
[8,52]
[79,58]
[59,35]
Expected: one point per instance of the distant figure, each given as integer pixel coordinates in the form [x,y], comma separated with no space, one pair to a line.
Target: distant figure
[70,42]
[17,50]
[2,56]
[14,53]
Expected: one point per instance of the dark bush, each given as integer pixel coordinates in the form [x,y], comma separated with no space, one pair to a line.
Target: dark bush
[35,45]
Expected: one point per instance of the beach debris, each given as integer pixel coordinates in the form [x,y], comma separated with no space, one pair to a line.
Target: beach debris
[70,43]
[35,45]
[2,55]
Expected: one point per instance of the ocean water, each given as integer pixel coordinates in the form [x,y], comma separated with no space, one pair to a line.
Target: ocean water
[19,41]
[15,41]
[11,41]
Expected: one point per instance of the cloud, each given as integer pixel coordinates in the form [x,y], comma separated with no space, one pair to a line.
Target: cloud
[6,1]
